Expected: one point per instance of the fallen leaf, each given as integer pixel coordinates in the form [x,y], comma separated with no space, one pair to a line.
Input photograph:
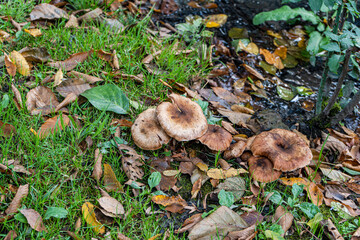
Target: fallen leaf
[72,61]
[216,20]
[41,100]
[253,72]
[131,163]
[121,236]
[34,219]
[234,117]
[68,99]
[22,66]
[236,185]
[17,94]
[10,66]
[110,181]
[76,86]
[97,172]
[87,78]
[226,95]
[90,218]
[11,235]
[292,181]
[161,165]
[6,130]
[315,194]
[33,32]
[189,223]
[331,228]
[173,204]
[245,234]
[217,224]
[72,23]
[47,11]
[111,205]
[58,77]
[39,55]
[21,193]
[90,16]
[194,4]
[217,173]
[335,175]
[281,52]
[269,57]
[53,125]
[168,7]
[283,218]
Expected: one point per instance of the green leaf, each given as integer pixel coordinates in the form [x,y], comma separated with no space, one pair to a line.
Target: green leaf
[315,5]
[332,47]
[285,93]
[334,63]
[276,228]
[351,172]
[226,198]
[21,218]
[290,1]
[329,3]
[314,222]
[286,13]
[108,98]
[296,190]
[309,209]
[56,212]
[276,198]
[304,91]
[5,101]
[341,210]
[273,235]
[314,42]
[154,179]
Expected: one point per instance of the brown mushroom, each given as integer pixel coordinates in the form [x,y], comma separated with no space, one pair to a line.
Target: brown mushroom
[216,138]
[182,119]
[285,149]
[261,169]
[147,132]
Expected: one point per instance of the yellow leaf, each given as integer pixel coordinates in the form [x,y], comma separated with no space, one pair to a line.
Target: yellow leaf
[90,218]
[110,181]
[217,173]
[58,77]
[292,181]
[155,237]
[212,25]
[33,32]
[22,65]
[202,166]
[33,131]
[216,20]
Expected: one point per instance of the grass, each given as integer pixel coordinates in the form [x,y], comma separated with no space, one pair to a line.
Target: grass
[54,159]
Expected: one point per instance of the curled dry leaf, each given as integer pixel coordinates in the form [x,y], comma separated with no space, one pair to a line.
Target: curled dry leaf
[292,181]
[76,86]
[41,100]
[315,194]
[87,78]
[33,32]
[48,12]
[22,66]
[10,66]
[283,218]
[111,205]
[72,61]
[53,125]
[110,181]
[234,117]
[72,23]
[217,173]
[253,72]
[11,235]
[226,95]
[34,219]
[131,164]
[17,94]
[6,130]
[189,223]
[90,16]
[58,77]
[39,55]
[97,172]
[21,193]
[90,218]
[173,204]
[71,97]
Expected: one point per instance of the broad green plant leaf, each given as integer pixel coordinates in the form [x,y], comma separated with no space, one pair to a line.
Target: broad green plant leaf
[309,209]
[154,179]
[56,212]
[108,98]
[313,46]
[226,198]
[334,63]
[290,1]
[304,91]
[276,197]
[273,235]
[286,13]
[296,190]
[332,47]
[21,218]
[285,93]
[315,5]
[314,222]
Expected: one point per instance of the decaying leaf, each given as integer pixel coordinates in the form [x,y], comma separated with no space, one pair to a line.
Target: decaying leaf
[76,86]
[234,117]
[6,130]
[53,125]
[217,173]
[38,55]
[226,95]
[34,219]
[131,164]
[216,20]
[97,172]
[161,165]
[110,181]
[189,223]
[58,77]
[22,66]
[11,235]
[335,175]
[47,11]
[21,193]
[41,100]
[72,23]
[111,205]
[72,61]
[90,218]
[87,78]
[283,218]
[33,32]
[292,181]
[173,204]
[90,16]
[10,66]
[236,185]
[219,223]
[315,194]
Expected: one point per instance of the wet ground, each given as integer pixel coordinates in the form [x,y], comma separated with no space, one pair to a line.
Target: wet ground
[240,14]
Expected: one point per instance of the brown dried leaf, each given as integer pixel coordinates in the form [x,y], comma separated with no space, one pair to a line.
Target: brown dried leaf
[269,57]
[89,216]
[38,55]
[85,77]
[335,175]
[10,66]
[72,23]
[217,173]
[6,130]
[34,219]
[281,52]
[284,218]
[196,188]
[111,205]
[110,181]
[41,99]
[71,97]
[189,223]
[48,12]
[11,235]
[17,94]
[226,95]
[315,194]
[173,204]
[90,16]
[234,117]
[76,86]
[72,61]
[253,72]
[121,236]
[53,125]
[21,193]
[58,77]
[292,181]
[33,32]
[97,172]
[245,234]
[161,165]
[22,66]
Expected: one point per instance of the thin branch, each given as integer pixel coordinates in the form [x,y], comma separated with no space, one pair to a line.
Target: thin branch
[347,110]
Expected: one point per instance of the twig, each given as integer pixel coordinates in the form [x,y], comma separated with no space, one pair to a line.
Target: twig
[307,230]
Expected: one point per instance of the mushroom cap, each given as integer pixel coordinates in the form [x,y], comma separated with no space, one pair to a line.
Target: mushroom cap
[261,169]
[285,149]
[182,119]
[216,138]
[147,132]
[235,150]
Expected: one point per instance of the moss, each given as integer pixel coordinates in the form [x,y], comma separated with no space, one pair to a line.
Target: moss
[186,186]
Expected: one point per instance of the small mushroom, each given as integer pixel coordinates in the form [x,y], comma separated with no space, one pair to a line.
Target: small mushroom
[262,169]
[147,132]
[216,138]
[182,119]
[285,149]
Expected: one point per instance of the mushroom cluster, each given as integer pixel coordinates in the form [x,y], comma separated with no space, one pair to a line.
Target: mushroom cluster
[273,152]
[181,119]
